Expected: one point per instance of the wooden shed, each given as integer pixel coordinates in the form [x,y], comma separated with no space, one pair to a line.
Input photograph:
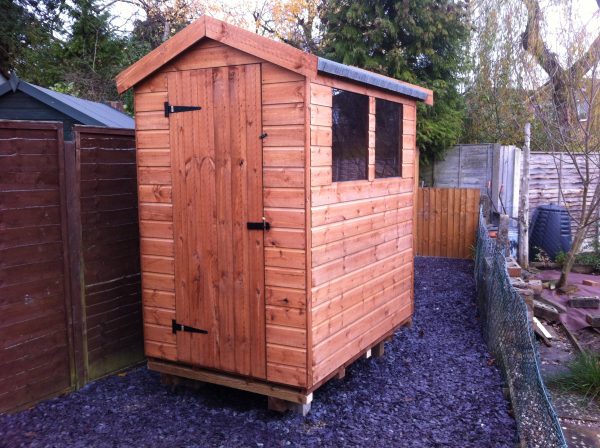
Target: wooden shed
[276,193]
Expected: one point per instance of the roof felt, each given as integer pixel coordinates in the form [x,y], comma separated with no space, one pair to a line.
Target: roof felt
[366,77]
[84,111]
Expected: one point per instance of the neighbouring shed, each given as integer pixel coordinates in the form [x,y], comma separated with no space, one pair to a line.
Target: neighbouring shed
[20,100]
[276,193]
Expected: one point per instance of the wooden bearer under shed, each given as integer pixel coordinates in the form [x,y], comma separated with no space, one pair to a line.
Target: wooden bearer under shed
[276,194]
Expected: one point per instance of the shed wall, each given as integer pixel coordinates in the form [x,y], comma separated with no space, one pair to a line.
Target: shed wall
[361,243]
[283,94]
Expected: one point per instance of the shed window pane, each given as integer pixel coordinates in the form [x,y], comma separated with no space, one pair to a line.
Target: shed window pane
[388,138]
[350,153]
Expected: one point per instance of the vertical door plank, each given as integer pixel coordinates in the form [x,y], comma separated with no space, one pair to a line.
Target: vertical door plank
[239,305]
[255,240]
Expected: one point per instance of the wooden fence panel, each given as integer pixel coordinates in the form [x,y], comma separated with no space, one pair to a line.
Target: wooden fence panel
[109,248]
[447,221]
[70,292]
[35,337]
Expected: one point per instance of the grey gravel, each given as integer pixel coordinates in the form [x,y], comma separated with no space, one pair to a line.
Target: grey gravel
[436,386]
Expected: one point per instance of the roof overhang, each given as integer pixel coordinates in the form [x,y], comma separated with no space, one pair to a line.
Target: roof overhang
[269,50]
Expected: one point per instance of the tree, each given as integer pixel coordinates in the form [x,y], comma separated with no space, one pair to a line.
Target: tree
[93,53]
[27,41]
[418,41]
[568,108]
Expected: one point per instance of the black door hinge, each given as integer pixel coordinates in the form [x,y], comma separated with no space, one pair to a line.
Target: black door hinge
[262,225]
[180,327]
[175,109]
[263,135]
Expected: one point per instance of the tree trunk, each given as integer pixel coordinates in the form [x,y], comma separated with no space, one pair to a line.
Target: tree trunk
[523,254]
[568,264]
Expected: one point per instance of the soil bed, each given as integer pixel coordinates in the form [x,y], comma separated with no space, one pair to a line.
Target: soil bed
[435,386]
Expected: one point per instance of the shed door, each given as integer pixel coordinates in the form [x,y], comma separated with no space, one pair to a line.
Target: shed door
[217,190]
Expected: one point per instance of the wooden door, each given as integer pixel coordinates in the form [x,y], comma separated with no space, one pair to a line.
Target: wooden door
[217,190]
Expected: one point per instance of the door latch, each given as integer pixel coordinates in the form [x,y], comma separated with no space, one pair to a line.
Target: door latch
[262,225]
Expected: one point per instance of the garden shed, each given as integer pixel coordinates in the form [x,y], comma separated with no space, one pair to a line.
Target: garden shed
[276,193]
[20,100]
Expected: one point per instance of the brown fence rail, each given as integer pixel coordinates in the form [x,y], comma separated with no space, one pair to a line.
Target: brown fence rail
[447,222]
[69,270]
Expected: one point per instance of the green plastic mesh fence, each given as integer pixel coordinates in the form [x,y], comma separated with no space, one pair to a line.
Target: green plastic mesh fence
[511,341]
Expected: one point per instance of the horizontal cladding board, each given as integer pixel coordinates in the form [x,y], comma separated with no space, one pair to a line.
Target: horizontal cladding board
[286,316]
[154,176]
[152,139]
[285,217]
[154,83]
[154,157]
[283,177]
[272,74]
[353,262]
[287,336]
[164,282]
[160,350]
[342,211]
[344,229]
[285,258]
[155,193]
[320,115]
[359,328]
[284,197]
[282,136]
[159,333]
[158,299]
[151,121]
[354,312]
[202,55]
[290,356]
[339,249]
[361,189]
[320,156]
[287,297]
[321,95]
[292,278]
[286,374]
[283,114]
[285,238]
[157,246]
[336,305]
[156,229]
[339,285]
[156,212]
[158,316]
[348,350]
[283,92]
[150,101]
[283,157]
[158,265]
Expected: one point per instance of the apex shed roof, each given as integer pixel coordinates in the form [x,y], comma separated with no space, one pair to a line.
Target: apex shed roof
[272,51]
[84,111]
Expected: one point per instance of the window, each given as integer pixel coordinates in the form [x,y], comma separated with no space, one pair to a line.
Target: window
[350,153]
[388,138]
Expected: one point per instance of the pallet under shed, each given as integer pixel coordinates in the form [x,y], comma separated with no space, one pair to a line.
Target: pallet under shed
[267,258]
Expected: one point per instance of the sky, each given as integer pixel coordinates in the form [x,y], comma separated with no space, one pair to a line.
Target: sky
[585,14]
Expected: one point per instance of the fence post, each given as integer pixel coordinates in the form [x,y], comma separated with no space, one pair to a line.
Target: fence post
[72,177]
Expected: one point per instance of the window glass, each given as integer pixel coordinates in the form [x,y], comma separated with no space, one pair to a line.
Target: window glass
[388,138]
[350,154]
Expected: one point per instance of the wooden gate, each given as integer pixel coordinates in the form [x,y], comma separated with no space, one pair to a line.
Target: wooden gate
[217,190]
[447,222]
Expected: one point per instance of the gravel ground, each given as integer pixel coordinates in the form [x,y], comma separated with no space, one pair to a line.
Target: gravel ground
[435,386]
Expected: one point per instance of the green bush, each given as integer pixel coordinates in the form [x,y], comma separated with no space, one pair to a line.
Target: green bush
[583,376]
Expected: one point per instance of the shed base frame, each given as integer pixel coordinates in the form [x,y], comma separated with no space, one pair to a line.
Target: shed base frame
[280,398]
